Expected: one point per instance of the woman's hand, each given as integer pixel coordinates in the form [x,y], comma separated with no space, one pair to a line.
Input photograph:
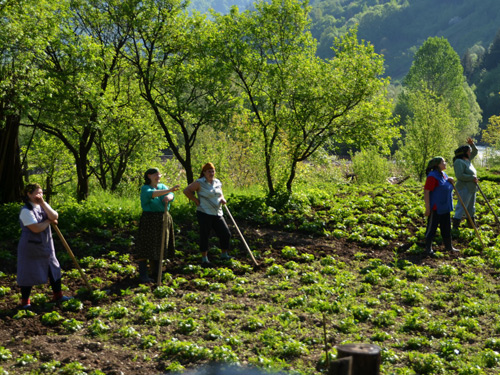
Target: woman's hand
[427,211]
[174,188]
[168,198]
[38,199]
[223,201]
[470,141]
[451,180]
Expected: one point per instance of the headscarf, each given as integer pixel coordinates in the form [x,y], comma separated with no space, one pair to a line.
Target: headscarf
[206,167]
[461,152]
[147,180]
[433,164]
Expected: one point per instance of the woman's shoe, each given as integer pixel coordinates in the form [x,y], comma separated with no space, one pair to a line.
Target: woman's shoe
[143,272]
[448,246]
[61,299]
[226,256]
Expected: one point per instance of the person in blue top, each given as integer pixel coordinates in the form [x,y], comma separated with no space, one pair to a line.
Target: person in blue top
[209,211]
[438,197]
[155,202]
[467,180]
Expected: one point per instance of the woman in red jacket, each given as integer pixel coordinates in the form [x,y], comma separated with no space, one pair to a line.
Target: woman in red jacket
[438,197]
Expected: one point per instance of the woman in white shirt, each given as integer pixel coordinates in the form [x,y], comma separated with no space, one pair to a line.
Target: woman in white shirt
[209,210]
[36,258]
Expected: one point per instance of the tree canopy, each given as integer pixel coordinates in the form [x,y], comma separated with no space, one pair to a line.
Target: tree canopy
[437,67]
[115,84]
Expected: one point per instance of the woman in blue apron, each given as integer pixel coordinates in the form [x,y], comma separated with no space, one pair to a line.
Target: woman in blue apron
[36,257]
[438,197]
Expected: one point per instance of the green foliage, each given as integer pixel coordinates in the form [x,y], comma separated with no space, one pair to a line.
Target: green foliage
[51,319]
[10,228]
[429,131]
[185,351]
[436,67]
[72,305]
[5,354]
[491,136]
[487,91]
[97,328]
[370,167]
[429,315]
[295,110]
[25,359]
[72,325]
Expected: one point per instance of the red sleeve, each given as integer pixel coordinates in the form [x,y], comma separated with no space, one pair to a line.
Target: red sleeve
[431,183]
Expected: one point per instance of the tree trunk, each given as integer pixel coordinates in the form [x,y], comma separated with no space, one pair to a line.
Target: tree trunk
[82,189]
[291,177]
[11,182]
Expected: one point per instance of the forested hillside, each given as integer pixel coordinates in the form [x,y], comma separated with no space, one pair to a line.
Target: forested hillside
[398,27]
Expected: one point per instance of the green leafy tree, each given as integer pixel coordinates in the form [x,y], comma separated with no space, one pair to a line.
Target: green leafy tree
[487,93]
[492,57]
[50,160]
[259,46]
[182,81]
[491,134]
[436,66]
[297,101]
[126,128]
[81,67]
[25,29]
[428,132]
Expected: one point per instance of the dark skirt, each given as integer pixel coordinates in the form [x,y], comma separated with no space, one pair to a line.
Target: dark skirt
[150,234]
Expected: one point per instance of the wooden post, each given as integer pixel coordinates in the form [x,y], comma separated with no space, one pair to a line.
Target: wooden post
[366,358]
[342,366]
[162,247]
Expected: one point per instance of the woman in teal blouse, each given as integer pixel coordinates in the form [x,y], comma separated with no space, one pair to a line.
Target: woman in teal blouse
[155,202]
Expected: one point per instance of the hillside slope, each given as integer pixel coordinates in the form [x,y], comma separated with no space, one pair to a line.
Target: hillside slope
[398,28]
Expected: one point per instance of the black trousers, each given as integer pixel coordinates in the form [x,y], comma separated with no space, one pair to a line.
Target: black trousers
[218,224]
[55,284]
[435,219]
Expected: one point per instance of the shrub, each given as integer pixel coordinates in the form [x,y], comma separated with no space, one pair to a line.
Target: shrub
[370,167]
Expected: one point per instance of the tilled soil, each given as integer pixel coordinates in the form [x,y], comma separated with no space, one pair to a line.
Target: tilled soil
[29,335]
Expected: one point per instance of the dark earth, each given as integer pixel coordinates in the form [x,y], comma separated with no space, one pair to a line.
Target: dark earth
[52,343]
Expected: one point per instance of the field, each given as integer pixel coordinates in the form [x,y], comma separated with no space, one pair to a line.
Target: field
[348,259]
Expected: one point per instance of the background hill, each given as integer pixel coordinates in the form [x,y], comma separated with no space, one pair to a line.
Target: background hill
[397,28]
